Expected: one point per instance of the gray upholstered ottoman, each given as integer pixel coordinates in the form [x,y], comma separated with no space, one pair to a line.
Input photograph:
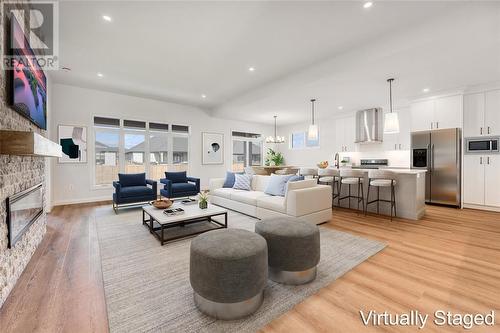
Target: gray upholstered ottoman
[293,249]
[228,272]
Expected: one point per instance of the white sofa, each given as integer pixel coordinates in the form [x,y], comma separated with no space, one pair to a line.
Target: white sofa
[304,199]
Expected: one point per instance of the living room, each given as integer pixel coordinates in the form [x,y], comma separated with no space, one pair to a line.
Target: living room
[274,166]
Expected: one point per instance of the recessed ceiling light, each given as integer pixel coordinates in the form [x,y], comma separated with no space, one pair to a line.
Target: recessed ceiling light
[100,74]
[203,96]
[107,18]
[368,4]
[340,107]
[251,69]
[425,90]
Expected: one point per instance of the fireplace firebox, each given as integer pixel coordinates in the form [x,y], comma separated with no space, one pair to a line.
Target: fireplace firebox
[23,209]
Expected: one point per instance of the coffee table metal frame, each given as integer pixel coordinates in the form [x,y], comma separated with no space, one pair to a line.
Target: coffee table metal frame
[159,231]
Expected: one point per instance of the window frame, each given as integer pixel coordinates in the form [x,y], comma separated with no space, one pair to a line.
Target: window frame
[305,147]
[147,153]
[247,141]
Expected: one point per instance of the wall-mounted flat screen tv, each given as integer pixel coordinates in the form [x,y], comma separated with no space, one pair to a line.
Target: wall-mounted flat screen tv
[29,84]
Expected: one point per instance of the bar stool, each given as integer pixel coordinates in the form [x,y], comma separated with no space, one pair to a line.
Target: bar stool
[352,177]
[330,176]
[311,172]
[381,178]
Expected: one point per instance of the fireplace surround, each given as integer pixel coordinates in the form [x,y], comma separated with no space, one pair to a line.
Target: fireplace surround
[23,209]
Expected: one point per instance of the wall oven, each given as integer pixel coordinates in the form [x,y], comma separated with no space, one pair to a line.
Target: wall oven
[483,145]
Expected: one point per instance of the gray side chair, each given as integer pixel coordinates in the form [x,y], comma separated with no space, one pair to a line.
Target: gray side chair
[350,178]
[384,179]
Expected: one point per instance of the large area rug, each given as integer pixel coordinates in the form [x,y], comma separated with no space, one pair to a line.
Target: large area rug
[147,285]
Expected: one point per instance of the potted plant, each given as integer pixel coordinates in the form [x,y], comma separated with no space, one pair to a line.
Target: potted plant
[274,158]
[203,199]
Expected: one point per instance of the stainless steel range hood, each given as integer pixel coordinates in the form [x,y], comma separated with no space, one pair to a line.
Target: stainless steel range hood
[369,126]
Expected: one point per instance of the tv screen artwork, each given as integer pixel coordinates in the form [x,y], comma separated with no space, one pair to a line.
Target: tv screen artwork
[29,82]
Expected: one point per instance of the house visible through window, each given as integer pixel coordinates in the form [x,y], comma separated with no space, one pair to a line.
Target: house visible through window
[247,150]
[132,146]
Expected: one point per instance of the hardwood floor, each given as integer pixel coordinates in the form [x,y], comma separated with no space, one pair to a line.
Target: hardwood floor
[450,260]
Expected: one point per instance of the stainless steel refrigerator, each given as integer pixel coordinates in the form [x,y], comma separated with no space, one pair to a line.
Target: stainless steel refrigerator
[439,152]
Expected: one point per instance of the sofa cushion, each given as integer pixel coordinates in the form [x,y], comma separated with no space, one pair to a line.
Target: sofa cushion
[274,203]
[277,185]
[132,179]
[135,191]
[230,178]
[248,197]
[222,192]
[183,187]
[243,182]
[176,177]
[296,178]
[259,182]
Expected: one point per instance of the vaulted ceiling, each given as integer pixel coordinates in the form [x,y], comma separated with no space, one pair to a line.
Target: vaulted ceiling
[337,52]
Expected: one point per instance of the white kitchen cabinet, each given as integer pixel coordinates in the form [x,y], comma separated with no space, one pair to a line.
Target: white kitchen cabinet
[448,112]
[473,115]
[474,179]
[422,115]
[439,113]
[492,113]
[492,180]
[350,133]
[482,180]
[345,134]
[401,140]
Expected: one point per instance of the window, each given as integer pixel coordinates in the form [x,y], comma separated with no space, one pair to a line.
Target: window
[134,142]
[299,140]
[247,150]
[158,147]
[136,146]
[180,146]
[107,143]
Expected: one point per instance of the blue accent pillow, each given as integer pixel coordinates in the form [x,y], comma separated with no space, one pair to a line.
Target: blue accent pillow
[176,177]
[242,182]
[229,181]
[296,178]
[132,179]
[277,185]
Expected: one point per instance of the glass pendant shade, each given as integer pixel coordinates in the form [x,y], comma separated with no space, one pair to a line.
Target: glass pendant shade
[313,133]
[391,123]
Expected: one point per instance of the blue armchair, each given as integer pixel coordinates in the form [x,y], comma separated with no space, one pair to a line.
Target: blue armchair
[178,184]
[133,188]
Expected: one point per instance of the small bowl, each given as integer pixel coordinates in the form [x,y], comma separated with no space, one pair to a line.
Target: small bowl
[162,204]
[323,165]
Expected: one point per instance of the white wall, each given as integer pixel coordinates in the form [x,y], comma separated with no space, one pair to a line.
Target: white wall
[309,157]
[72,183]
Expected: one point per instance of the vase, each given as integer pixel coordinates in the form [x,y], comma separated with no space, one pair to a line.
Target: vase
[203,204]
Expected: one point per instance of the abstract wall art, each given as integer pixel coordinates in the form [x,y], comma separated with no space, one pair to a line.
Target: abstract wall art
[213,148]
[73,140]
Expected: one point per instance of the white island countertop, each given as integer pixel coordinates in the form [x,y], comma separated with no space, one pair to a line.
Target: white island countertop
[410,193]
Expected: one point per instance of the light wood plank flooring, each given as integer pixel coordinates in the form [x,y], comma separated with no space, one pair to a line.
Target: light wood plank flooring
[450,260]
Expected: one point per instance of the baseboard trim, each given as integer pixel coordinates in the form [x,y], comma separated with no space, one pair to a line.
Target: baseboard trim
[481,207]
[81,201]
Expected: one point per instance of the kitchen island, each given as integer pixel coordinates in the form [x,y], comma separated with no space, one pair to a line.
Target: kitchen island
[410,194]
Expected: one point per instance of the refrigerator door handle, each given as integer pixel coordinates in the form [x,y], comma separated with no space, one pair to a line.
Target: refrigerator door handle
[432,157]
[429,157]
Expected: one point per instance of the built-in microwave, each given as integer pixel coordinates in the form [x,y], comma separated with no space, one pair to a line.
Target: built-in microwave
[483,145]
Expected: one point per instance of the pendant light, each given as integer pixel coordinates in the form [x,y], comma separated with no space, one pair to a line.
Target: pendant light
[275,138]
[312,133]
[391,120]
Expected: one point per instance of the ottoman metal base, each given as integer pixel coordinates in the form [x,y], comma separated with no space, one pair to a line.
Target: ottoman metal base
[229,311]
[290,277]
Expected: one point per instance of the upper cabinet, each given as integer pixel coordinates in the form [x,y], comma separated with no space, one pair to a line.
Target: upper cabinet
[444,112]
[482,114]
[345,134]
[492,112]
